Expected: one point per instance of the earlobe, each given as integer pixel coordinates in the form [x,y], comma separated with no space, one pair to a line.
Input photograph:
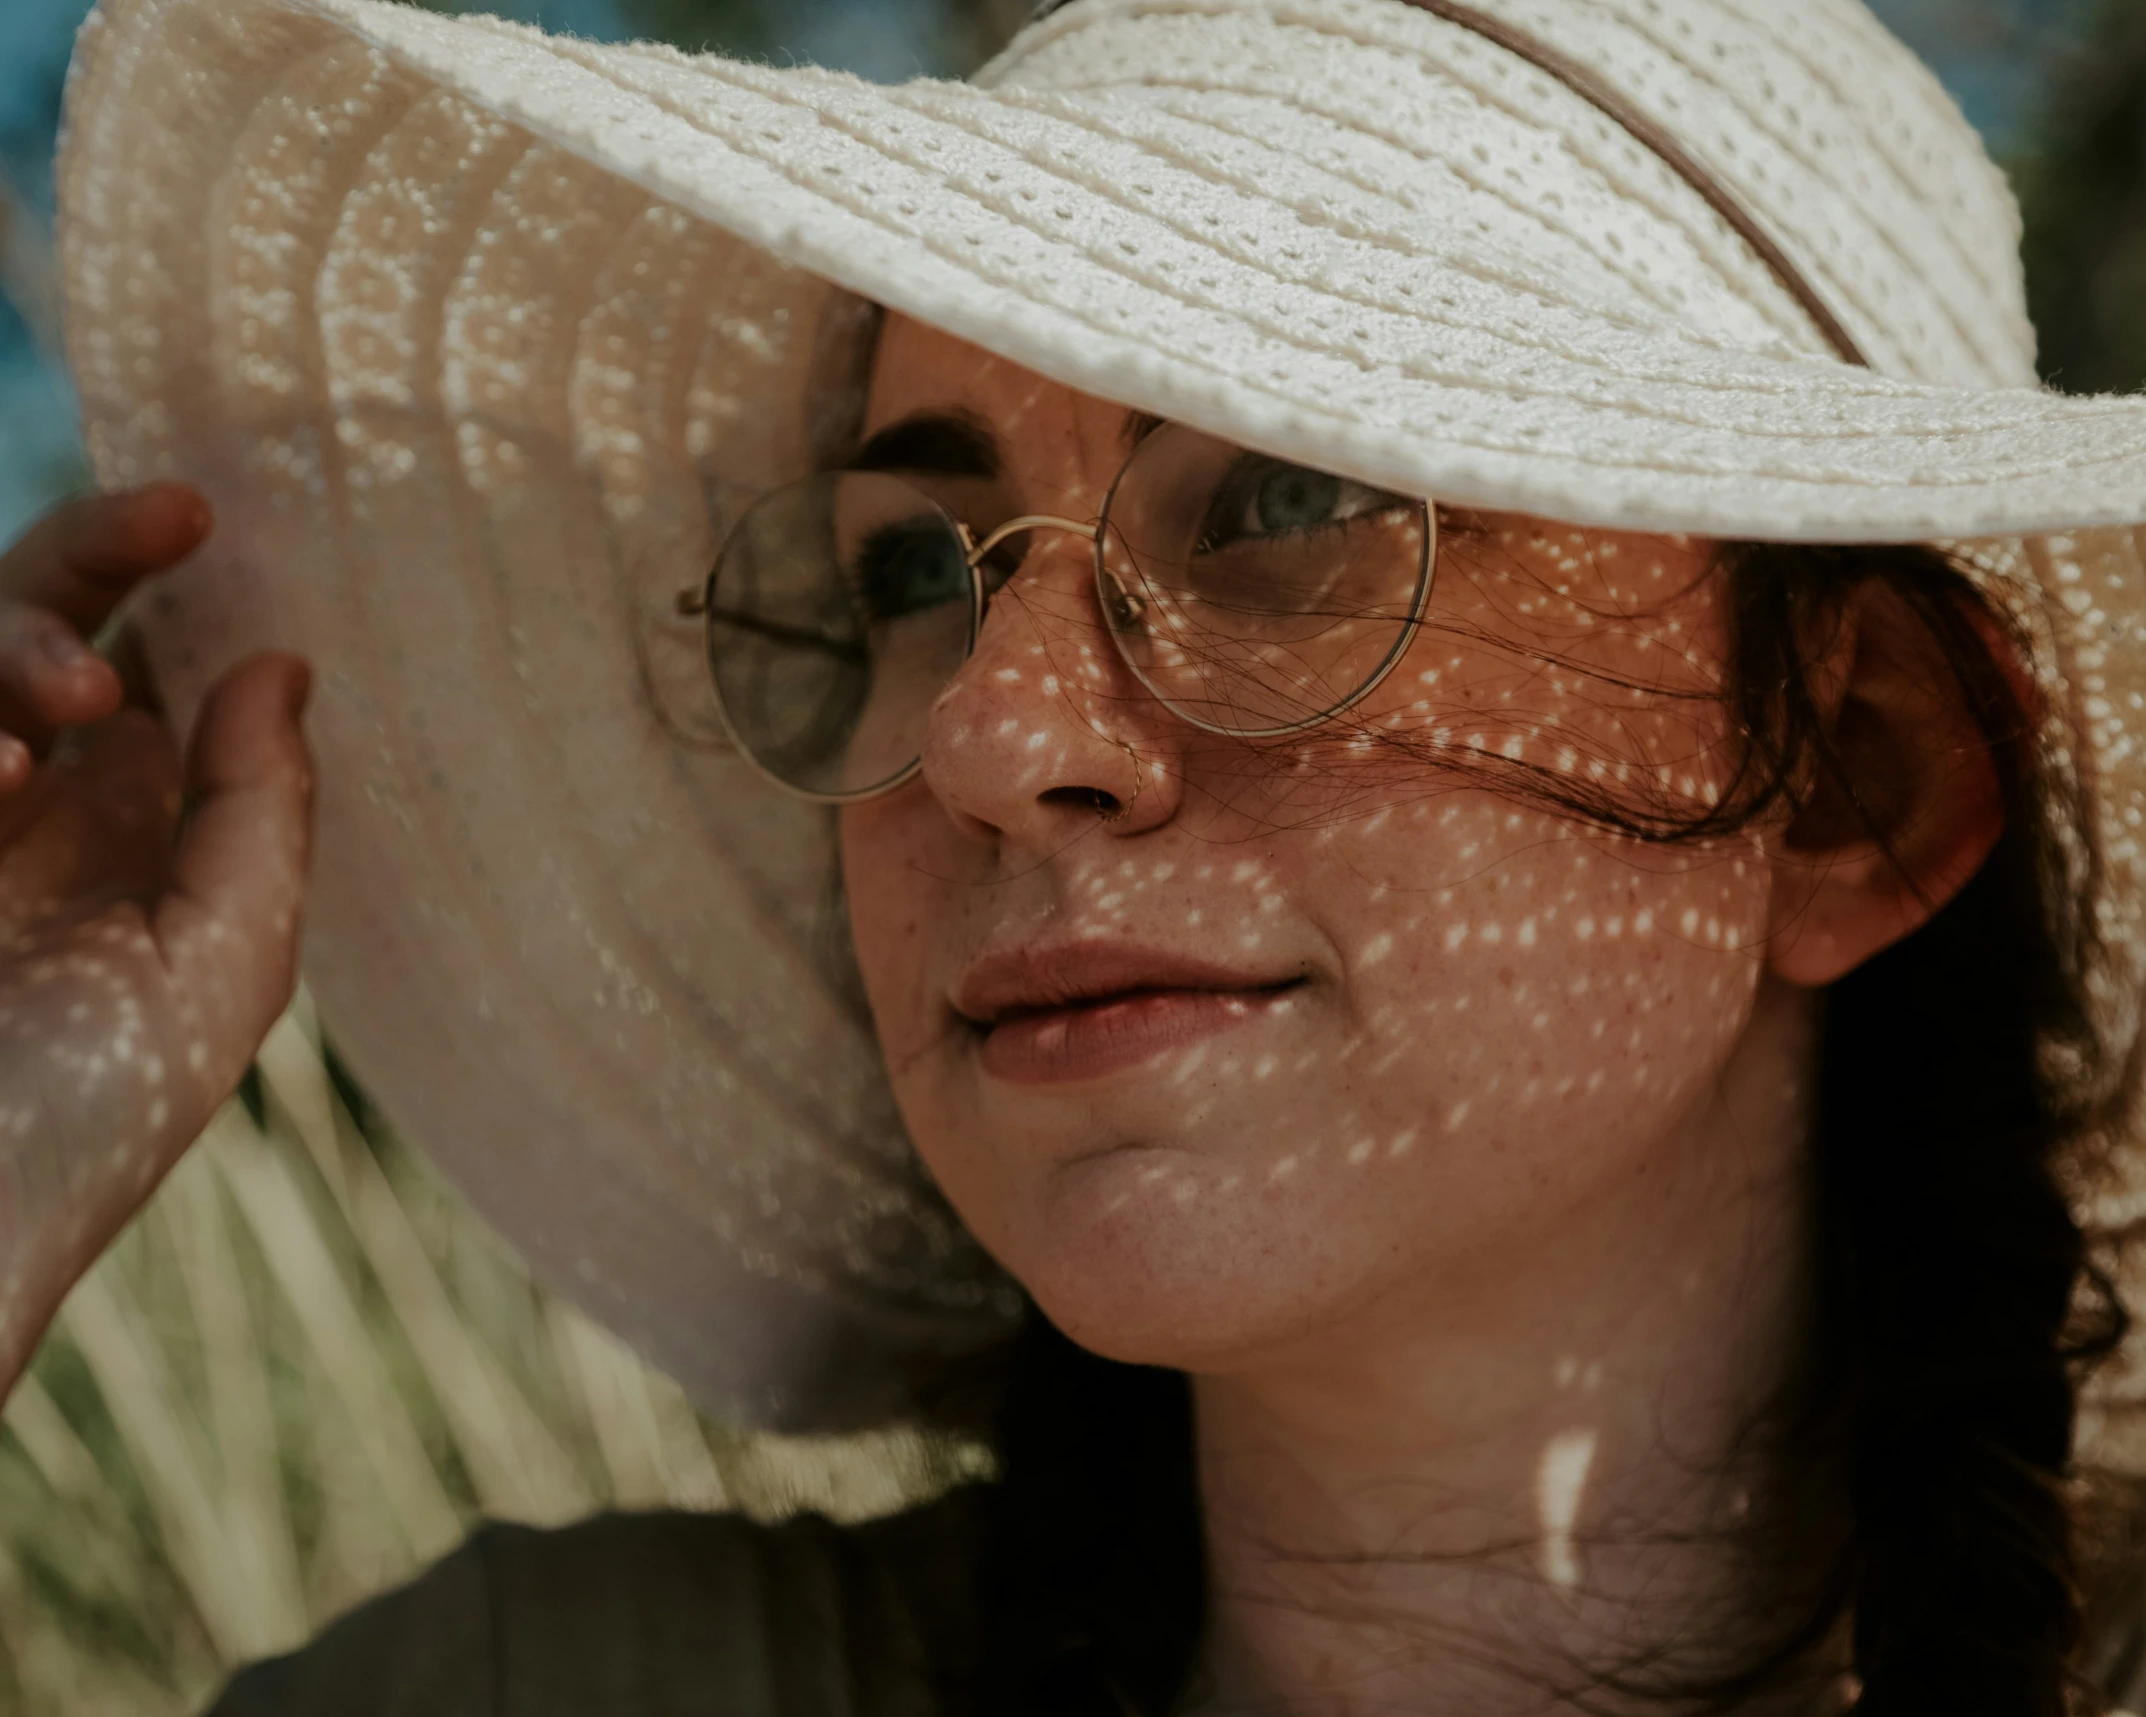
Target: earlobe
[1870,859]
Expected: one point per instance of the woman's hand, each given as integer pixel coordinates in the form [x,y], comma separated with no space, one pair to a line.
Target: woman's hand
[148,909]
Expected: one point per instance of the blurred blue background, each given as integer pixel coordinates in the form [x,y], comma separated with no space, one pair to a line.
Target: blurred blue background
[2044,79]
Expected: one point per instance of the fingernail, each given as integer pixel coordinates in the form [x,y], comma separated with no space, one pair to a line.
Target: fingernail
[64,648]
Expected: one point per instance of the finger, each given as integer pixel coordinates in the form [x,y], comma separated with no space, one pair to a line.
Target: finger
[81,558]
[228,925]
[49,679]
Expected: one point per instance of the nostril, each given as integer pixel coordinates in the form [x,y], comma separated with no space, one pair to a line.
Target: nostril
[1096,799]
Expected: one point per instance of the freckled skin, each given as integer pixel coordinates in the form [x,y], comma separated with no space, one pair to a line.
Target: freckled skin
[1507,1016]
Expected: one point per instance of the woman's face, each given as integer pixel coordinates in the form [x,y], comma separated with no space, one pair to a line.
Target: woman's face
[1216,1044]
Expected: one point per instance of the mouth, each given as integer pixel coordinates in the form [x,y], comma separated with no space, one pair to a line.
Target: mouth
[1064,1016]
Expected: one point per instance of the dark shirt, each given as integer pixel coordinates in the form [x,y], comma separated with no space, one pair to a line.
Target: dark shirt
[655,1615]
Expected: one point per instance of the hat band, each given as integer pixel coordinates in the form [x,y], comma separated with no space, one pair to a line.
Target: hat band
[1645,131]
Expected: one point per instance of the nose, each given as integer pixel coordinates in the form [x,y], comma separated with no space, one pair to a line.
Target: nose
[1044,734]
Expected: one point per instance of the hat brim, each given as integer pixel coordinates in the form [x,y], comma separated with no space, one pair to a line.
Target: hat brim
[469,412]
[1068,230]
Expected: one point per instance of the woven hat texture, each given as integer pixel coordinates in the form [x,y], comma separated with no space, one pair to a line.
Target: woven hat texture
[479,339]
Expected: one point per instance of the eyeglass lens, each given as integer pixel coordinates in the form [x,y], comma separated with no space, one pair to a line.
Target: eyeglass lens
[840,607]
[1251,595]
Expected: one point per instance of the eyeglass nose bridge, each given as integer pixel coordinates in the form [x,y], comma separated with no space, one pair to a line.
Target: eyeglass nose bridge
[1127,606]
[979,552]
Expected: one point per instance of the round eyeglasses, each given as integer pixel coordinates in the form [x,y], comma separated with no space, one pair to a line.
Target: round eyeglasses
[1253,597]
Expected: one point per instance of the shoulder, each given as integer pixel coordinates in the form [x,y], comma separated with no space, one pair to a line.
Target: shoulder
[654,1613]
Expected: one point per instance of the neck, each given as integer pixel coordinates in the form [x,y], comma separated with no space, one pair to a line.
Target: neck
[1543,1478]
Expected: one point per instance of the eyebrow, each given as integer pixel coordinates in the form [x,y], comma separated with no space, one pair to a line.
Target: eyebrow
[958,444]
[932,443]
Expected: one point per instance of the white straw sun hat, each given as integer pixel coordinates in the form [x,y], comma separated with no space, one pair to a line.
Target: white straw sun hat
[480,338]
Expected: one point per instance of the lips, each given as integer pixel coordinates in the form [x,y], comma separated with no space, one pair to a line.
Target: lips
[1078,1011]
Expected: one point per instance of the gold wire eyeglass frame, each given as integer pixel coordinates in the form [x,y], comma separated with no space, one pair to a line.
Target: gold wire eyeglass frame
[698,603]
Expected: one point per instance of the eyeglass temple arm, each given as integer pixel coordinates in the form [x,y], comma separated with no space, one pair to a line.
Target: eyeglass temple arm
[693,603]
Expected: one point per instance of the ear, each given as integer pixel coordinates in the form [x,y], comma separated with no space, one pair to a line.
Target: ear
[1869,861]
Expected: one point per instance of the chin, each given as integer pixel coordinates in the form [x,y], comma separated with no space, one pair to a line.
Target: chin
[1137,1257]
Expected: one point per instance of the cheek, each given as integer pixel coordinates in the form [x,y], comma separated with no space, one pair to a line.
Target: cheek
[910,889]
[1563,970]
[891,871]
[1546,1011]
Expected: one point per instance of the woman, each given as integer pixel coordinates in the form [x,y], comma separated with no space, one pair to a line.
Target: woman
[1541,1057]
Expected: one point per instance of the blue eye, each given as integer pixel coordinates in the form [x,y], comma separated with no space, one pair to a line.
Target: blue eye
[1260,497]
[906,568]
[1291,498]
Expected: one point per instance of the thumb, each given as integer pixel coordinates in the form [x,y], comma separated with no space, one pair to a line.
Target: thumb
[228,924]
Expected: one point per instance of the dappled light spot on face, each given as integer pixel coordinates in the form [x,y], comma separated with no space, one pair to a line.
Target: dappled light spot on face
[1560,1491]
